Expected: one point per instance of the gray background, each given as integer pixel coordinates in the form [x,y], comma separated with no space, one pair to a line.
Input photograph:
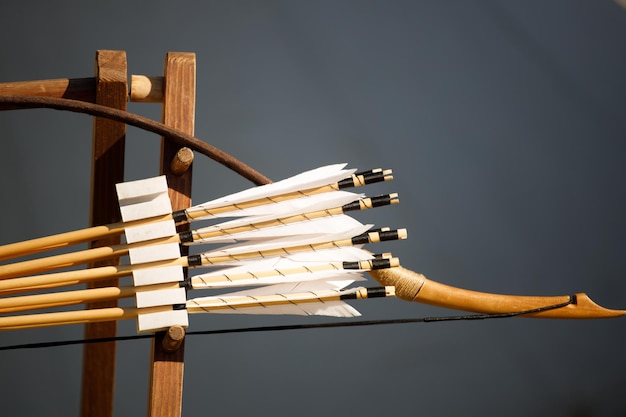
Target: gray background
[503,123]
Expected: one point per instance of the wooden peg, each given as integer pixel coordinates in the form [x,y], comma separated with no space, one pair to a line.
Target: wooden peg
[181,161]
[173,338]
[146,89]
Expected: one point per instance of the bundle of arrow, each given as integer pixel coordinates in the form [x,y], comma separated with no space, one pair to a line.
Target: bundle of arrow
[290,243]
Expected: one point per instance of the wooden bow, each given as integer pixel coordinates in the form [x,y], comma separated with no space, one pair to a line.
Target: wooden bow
[411,286]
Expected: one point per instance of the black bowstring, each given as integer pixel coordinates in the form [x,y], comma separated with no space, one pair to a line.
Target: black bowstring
[296,327]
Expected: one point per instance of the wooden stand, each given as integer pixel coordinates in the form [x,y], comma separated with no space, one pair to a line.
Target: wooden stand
[179,103]
[107,169]
[176,90]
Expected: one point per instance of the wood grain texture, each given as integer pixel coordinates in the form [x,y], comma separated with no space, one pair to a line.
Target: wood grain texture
[167,368]
[411,286]
[83,89]
[146,89]
[107,170]
[182,161]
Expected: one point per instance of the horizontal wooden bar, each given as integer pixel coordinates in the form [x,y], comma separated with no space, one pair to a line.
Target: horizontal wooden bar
[143,88]
[83,89]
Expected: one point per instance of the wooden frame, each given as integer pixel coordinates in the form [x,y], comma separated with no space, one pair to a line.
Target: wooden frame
[107,169]
[167,365]
[110,87]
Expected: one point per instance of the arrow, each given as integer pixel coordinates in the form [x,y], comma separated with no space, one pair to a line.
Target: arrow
[229,254]
[319,206]
[265,272]
[244,203]
[310,298]
[318,301]
[281,270]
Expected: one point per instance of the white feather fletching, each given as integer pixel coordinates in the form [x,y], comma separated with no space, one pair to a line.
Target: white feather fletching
[347,227]
[272,271]
[328,308]
[291,287]
[344,253]
[314,227]
[334,308]
[279,279]
[310,179]
[265,213]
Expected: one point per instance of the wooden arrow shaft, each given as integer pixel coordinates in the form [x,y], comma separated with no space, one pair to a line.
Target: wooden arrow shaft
[94,274]
[72,317]
[58,279]
[66,239]
[65,298]
[67,260]
[193,306]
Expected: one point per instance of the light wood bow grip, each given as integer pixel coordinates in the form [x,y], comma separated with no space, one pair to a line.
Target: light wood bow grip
[411,286]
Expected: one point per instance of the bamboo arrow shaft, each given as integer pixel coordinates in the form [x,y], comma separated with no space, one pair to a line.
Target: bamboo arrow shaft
[73,317]
[193,306]
[214,280]
[106,252]
[40,301]
[361,204]
[372,237]
[76,258]
[200,211]
[66,239]
[89,275]
[65,298]
[93,233]
[210,304]
[81,276]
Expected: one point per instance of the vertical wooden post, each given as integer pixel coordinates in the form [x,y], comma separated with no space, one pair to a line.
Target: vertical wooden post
[107,170]
[167,367]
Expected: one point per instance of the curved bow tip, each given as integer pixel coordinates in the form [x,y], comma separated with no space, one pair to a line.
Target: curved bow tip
[582,307]
[411,286]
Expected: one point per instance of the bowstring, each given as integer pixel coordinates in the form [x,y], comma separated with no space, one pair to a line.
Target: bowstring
[359,323]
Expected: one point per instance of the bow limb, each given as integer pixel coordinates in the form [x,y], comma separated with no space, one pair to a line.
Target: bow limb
[411,286]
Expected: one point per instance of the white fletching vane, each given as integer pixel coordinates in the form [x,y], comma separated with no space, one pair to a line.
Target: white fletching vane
[279,279]
[267,213]
[347,227]
[292,246]
[302,204]
[315,227]
[273,271]
[310,179]
[290,287]
[305,299]
[327,308]
[344,253]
